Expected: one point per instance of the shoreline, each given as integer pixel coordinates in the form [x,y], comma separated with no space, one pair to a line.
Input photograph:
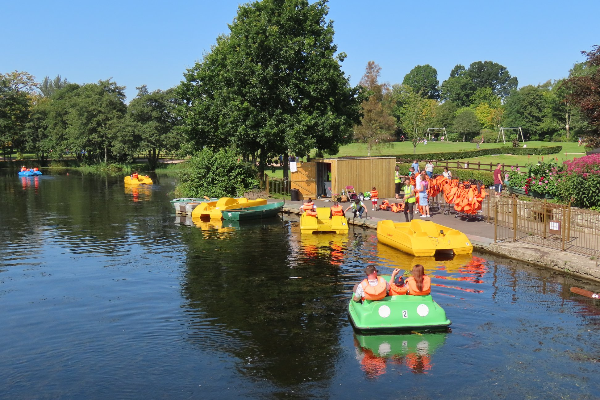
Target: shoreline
[581,266]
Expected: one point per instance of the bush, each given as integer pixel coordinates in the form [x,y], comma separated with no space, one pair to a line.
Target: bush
[579,182]
[219,174]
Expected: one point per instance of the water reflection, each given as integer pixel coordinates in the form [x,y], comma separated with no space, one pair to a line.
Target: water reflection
[278,316]
[139,193]
[414,351]
[327,246]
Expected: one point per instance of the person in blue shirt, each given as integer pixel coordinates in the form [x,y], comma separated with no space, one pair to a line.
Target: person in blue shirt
[415,165]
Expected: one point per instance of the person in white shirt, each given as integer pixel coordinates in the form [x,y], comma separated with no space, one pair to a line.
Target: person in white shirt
[429,169]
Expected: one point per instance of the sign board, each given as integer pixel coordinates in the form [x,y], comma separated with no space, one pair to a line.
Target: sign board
[555,227]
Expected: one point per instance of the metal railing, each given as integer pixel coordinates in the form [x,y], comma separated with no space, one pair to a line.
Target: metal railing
[557,226]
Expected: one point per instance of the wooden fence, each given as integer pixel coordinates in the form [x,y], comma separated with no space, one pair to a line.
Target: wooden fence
[558,226]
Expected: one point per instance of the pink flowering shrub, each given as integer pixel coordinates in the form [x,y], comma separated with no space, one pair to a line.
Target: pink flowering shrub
[579,182]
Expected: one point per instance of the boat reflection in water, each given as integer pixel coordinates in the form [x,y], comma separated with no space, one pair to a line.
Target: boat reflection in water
[413,351]
[139,193]
[29,181]
[465,267]
[324,245]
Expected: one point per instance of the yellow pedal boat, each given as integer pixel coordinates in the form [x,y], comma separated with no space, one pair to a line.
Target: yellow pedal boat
[422,238]
[322,223]
[213,209]
[140,180]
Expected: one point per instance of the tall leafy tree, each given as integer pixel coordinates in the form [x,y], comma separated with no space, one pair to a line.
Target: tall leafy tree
[377,124]
[274,84]
[414,113]
[15,108]
[423,80]
[466,124]
[525,108]
[153,115]
[49,86]
[86,120]
[463,83]
[585,93]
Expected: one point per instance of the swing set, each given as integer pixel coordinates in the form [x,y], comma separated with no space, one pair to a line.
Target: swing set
[501,132]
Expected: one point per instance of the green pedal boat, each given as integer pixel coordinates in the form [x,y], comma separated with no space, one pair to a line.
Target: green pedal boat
[398,313]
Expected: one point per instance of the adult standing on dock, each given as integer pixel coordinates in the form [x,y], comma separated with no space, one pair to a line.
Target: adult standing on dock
[409,200]
[397,182]
[498,179]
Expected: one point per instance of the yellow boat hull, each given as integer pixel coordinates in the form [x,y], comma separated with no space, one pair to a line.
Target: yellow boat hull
[141,180]
[214,209]
[422,238]
[322,223]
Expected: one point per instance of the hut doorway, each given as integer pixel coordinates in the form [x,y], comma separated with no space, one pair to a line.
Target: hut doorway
[323,179]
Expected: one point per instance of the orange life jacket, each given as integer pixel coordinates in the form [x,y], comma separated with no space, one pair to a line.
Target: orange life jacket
[396,290]
[134,176]
[377,292]
[337,210]
[397,207]
[36,169]
[412,286]
[385,205]
[309,209]
[374,194]
[23,169]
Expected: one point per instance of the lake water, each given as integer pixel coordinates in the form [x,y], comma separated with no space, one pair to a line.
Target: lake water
[105,294]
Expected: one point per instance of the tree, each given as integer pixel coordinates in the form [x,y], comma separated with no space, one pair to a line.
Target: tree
[414,113]
[272,85]
[377,125]
[87,120]
[423,80]
[525,108]
[488,74]
[154,119]
[585,93]
[15,108]
[49,86]
[466,124]
[463,83]
[444,115]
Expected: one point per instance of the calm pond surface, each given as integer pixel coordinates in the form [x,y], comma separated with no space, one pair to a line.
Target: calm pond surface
[104,295]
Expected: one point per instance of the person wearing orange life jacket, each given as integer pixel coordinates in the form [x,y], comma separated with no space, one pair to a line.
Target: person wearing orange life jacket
[23,169]
[372,288]
[418,284]
[398,286]
[374,198]
[309,208]
[134,176]
[336,210]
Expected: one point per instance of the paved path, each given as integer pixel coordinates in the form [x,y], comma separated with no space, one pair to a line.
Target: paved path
[481,235]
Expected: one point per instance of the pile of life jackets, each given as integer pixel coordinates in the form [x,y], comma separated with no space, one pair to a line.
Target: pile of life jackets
[467,197]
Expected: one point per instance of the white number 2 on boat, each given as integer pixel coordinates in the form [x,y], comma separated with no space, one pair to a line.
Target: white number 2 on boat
[404,313]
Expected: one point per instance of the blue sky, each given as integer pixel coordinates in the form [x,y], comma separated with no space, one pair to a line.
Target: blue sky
[154,42]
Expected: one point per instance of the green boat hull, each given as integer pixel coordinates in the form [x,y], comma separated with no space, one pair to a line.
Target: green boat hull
[398,313]
[268,210]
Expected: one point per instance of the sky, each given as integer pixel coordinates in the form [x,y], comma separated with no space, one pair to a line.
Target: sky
[154,42]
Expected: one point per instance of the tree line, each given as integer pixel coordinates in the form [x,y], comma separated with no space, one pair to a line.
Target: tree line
[274,86]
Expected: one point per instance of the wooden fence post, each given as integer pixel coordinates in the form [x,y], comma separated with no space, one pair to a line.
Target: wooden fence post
[496,221]
[514,210]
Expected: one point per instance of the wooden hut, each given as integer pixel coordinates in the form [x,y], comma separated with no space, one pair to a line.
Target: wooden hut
[325,177]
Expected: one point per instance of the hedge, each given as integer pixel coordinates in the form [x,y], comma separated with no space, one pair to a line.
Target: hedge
[455,155]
